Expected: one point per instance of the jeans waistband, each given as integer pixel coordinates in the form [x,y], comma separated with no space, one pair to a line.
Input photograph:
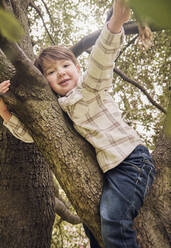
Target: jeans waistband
[141,151]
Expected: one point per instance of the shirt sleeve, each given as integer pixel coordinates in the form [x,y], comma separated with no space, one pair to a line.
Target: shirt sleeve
[16,127]
[99,74]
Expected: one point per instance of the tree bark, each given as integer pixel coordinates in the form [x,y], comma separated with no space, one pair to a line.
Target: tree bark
[26,188]
[153,223]
[27,195]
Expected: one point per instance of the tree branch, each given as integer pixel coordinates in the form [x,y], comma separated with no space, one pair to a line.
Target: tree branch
[6,69]
[44,24]
[88,41]
[122,51]
[124,77]
[125,47]
[56,189]
[47,9]
[22,63]
[61,207]
[65,213]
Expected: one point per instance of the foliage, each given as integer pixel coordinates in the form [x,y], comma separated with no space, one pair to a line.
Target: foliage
[150,12]
[153,11]
[65,235]
[152,72]
[68,21]
[10,27]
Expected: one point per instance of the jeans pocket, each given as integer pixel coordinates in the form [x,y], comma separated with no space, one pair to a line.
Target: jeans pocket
[150,179]
[145,180]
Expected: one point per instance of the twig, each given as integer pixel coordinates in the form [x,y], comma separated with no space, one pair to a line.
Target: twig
[61,207]
[44,24]
[56,191]
[47,9]
[65,213]
[125,47]
[124,77]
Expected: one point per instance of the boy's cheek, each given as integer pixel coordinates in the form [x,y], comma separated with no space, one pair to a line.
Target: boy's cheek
[51,84]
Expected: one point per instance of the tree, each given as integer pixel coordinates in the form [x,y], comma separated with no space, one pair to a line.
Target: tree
[26,188]
[70,157]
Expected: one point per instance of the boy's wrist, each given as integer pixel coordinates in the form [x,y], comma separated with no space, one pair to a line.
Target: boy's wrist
[6,115]
[114,26]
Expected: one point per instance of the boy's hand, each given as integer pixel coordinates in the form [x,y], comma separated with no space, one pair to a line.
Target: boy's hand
[121,14]
[4,87]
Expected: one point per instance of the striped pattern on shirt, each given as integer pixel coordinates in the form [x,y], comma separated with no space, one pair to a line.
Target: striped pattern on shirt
[92,109]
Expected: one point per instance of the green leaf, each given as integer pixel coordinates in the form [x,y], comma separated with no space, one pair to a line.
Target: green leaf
[153,11]
[10,27]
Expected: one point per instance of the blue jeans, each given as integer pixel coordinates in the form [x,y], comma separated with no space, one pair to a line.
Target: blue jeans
[124,190]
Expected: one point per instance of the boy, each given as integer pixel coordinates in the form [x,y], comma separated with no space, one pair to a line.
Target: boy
[126,163]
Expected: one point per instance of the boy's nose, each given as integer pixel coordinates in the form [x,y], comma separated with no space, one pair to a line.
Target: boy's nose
[61,73]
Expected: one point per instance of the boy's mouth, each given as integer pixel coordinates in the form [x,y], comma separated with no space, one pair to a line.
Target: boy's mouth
[63,82]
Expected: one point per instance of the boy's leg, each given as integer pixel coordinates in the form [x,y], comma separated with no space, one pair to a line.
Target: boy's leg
[93,241]
[123,194]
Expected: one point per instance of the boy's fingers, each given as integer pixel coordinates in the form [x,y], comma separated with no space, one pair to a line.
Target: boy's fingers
[6,89]
[4,85]
[3,90]
[7,82]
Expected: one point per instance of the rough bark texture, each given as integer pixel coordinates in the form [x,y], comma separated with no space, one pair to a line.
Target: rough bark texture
[26,189]
[27,196]
[73,161]
[153,223]
[6,69]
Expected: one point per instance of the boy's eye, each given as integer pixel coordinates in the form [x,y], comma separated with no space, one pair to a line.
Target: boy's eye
[66,65]
[50,72]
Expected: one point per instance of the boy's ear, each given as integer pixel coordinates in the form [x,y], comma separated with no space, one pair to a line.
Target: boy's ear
[78,67]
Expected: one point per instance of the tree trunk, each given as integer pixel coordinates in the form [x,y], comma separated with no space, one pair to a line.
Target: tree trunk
[26,189]
[27,195]
[153,223]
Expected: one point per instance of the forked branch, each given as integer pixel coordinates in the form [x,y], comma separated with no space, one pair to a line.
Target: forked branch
[131,81]
[38,10]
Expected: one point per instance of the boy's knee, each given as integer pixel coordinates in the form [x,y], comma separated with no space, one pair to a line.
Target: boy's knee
[113,205]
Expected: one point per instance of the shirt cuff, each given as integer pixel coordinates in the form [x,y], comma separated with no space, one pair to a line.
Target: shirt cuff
[13,120]
[18,130]
[113,39]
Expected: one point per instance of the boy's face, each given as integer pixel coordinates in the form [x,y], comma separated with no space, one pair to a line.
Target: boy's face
[62,75]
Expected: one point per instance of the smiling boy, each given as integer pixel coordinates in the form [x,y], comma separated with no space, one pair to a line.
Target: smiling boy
[60,67]
[126,163]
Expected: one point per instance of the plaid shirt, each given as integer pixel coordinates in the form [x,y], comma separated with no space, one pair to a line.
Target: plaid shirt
[92,109]
[16,127]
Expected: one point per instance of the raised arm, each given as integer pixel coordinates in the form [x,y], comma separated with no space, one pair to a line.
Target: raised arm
[121,14]
[101,62]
